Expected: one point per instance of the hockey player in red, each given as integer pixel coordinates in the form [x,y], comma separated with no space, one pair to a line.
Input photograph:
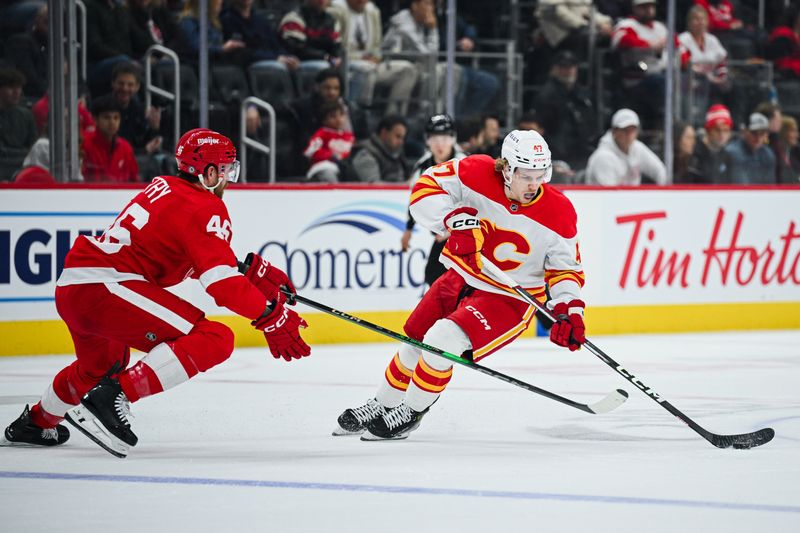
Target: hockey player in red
[112,297]
[502,210]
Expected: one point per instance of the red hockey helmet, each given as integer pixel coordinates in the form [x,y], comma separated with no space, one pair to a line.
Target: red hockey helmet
[199,148]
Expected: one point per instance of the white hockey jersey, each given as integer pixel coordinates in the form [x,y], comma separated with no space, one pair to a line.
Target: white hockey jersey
[535,243]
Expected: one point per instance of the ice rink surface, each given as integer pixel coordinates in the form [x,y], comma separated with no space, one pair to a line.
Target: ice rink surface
[247,447]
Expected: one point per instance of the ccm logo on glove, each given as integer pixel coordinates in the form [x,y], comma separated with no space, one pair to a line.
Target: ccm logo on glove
[279,322]
[465,223]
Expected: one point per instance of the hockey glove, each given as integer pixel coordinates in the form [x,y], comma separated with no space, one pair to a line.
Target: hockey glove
[466,236]
[569,330]
[267,278]
[281,327]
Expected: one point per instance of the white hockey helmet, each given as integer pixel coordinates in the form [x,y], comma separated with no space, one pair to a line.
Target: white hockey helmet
[526,149]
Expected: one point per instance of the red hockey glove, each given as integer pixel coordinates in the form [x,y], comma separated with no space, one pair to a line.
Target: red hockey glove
[267,278]
[466,236]
[281,328]
[569,330]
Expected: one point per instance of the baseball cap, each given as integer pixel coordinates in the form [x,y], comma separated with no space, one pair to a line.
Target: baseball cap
[757,122]
[718,114]
[624,118]
[643,2]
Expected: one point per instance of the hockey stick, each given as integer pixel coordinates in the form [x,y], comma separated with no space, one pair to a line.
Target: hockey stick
[609,403]
[742,441]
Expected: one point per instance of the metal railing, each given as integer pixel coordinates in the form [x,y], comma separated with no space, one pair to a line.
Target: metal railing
[82,42]
[150,89]
[247,141]
[429,77]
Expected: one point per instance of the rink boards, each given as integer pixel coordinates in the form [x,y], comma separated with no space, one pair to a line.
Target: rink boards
[656,260]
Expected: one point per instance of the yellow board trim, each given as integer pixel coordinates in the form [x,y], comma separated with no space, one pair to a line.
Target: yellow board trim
[52,337]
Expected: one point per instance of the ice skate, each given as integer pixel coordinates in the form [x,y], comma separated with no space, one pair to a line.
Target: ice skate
[23,432]
[354,421]
[395,424]
[103,417]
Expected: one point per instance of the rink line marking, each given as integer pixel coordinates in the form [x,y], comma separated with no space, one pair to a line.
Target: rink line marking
[389,489]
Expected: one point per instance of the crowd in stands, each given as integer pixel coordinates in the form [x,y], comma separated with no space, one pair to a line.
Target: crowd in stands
[355,82]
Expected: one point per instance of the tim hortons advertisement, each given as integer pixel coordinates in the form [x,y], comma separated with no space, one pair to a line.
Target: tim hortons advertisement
[342,247]
[689,247]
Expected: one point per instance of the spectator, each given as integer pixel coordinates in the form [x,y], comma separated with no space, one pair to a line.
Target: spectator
[362,34]
[108,157]
[27,52]
[787,153]
[327,88]
[622,159]
[380,158]
[641,42]
[470,131]
[312,34]
[230,51]
[565,24]
[111,37]
[775,118]
[34,174]
[684,167]
[414,30]
[567,113]
[39,158]
[154,18]
[440,138]
[330,145]
[41,112]
[241,23]
[709,152]
[783,47]
[17,128]
[476,87]
[530,121]
[139,126]
[491,135]
[748,159]
[720,15]
[709,59]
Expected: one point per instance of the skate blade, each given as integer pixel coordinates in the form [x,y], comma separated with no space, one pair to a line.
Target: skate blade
[85,422]
[367,436]
[341,432]
[5,443]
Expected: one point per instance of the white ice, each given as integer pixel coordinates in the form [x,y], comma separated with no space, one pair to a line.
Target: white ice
[247,447]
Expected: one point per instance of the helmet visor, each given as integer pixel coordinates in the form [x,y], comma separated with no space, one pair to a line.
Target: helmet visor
[530,175]
[230,171]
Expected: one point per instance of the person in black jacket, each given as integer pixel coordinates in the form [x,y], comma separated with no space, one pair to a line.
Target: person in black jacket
[239,21]
[111,37]
[565,111]
[17,128]
[27,52]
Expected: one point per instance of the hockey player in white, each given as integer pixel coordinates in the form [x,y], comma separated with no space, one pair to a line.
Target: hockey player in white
[504,210]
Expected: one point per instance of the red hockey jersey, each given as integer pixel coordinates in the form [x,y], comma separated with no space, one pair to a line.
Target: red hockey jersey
[170,231]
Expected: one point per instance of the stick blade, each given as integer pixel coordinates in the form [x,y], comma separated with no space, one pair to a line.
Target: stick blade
[744,441]
[609,403]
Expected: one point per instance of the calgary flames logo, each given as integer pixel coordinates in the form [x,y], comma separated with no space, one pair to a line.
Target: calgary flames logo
[501,245]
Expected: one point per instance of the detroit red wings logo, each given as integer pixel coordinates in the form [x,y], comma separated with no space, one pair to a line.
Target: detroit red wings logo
[505,243]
